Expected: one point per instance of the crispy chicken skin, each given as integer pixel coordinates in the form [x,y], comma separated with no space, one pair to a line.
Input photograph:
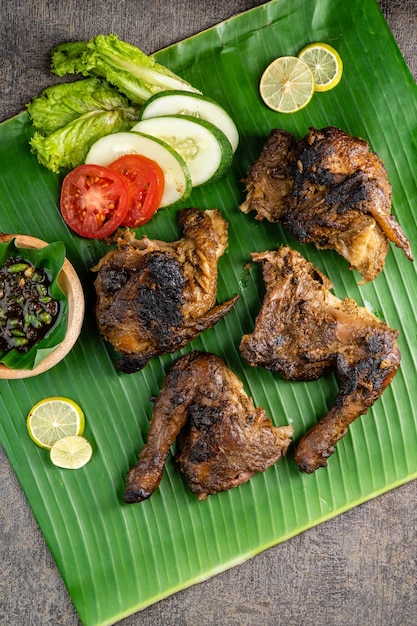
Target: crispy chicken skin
[154,297]
[329,189]
[303,331]
[222,438]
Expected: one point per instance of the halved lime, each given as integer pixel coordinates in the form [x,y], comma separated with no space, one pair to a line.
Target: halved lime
[71,452]
[52,418]
[325,64]
[287,85]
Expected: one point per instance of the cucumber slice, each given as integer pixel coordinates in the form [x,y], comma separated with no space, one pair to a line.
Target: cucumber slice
[178,182]
[204,147]
[177,102]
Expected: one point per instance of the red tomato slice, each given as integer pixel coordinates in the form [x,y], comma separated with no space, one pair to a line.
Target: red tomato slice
[146,181]
[94,200]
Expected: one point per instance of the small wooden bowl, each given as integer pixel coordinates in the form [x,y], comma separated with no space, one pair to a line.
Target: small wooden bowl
[71,286]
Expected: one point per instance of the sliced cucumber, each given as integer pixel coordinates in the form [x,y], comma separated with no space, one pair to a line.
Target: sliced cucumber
[177,102]
[204,147]
[178,182]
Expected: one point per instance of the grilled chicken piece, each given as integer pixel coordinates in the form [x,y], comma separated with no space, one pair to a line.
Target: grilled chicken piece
[303,331]
[155,297]
[328,189]
[223,439]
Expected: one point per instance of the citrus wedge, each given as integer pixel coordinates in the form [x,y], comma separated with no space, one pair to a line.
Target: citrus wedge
[325,64]
[53,418]
[71,452]
[287,85]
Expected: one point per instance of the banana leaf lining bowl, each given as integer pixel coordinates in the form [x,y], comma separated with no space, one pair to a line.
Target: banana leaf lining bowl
[71,286]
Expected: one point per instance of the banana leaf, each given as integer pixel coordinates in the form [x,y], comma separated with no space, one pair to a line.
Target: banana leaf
[115,558]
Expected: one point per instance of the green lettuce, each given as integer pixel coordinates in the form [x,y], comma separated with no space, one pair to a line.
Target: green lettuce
[60,104]
[134,73]
[70,117]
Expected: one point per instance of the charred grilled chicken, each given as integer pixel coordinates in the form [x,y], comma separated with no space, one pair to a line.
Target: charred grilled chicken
[222,438]
[303,331]
[329,189]
[154,297]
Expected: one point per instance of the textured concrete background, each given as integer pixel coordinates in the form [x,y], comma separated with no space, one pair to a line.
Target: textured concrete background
[359,568]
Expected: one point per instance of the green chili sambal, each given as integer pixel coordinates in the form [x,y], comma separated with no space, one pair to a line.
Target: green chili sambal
[27,309]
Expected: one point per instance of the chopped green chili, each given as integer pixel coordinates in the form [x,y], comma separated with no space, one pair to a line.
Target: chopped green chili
[27,309]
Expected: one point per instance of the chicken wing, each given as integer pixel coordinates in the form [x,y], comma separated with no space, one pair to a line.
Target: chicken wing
[154,297]
[329,189]
[303,332]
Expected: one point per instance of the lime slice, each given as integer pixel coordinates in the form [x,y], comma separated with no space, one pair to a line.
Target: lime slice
[53,418]
[325,64]
[287,85]
[71,452]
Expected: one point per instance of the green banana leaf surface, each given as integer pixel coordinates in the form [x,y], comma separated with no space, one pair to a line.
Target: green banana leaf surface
[116,558]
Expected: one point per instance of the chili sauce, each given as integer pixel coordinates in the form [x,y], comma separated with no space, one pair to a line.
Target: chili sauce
[27,309]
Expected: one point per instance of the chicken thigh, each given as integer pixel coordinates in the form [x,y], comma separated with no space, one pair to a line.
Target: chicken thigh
[222,438]
[303,332]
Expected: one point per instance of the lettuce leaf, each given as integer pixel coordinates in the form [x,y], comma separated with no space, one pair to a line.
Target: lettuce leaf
[60,104]
[70,117]
[134,73]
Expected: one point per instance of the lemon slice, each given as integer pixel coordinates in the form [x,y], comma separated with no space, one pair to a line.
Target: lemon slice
[53,418]
[71,452]
[325,64]
[287,85]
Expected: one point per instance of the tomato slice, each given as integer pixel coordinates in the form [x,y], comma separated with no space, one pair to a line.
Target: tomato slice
[146,181]
[94,200]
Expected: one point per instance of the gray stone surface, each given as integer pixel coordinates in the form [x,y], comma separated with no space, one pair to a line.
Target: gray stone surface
[359,568]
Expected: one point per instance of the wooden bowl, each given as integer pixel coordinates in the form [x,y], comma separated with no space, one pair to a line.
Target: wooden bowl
[71,286]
